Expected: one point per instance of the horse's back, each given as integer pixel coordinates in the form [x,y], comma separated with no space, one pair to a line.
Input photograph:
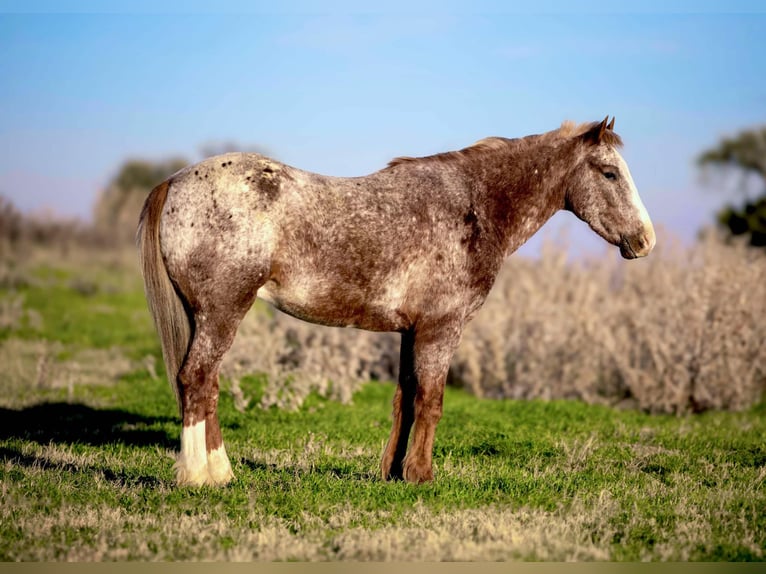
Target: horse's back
[368,251]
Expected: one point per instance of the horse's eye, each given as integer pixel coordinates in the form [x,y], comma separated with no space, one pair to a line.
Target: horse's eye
[610,175]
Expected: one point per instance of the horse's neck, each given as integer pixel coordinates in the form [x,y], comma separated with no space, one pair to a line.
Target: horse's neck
[524,187]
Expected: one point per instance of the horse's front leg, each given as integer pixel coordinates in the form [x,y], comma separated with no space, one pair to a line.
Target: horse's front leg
[392,465]
[434,346]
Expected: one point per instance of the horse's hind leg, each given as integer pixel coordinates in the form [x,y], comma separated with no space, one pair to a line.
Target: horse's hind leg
[203,457]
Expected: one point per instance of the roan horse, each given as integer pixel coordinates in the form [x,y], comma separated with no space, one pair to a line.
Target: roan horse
[412,248]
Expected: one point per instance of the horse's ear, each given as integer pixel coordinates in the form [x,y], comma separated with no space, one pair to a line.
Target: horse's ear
[595,134]
[601,129]
[610,127]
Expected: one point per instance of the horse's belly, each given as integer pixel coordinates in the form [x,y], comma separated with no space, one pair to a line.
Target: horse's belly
[334,307]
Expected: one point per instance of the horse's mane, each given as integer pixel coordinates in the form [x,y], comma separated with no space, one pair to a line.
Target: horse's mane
[481,147]
[488,145]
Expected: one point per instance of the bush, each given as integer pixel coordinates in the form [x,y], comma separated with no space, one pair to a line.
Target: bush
[117,208]
[680,331]
[19,232]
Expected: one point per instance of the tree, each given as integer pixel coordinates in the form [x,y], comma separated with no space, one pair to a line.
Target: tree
[116,212]
[745,154]
[117,208]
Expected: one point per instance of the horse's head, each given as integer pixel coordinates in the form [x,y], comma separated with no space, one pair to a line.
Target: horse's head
[601,192]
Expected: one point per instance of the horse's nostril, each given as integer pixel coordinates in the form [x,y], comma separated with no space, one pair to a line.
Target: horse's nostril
[648,240]
[644,242]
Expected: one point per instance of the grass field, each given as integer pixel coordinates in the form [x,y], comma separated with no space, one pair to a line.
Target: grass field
[89,431]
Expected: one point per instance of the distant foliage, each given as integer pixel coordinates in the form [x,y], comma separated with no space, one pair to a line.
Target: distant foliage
[681,331]
[21,232]
[118,207]
[748,219]
[10,222]
[746,154]
[115,214]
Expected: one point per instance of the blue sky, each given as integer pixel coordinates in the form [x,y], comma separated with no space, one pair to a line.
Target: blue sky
[342,88]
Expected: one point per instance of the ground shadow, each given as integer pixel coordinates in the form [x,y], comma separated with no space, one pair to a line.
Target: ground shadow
[121,477]
[71,423]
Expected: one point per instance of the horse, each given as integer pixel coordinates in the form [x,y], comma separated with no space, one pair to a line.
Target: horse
[413,248]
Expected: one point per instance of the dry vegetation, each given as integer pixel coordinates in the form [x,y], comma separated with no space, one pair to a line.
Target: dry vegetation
[88,428]
[681,331]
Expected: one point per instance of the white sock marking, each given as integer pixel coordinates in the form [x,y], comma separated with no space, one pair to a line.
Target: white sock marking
[191,466]
[218,466]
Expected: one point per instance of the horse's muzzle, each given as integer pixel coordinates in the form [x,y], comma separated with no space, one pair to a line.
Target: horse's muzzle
[638,245]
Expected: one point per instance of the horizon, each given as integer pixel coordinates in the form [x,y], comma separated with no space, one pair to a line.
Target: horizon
[344,91]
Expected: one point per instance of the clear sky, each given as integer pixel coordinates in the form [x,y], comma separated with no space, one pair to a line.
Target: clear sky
[340,88]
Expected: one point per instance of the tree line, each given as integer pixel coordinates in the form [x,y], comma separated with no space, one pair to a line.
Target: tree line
[740,161]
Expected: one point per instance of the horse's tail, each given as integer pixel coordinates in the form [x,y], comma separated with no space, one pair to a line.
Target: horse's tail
[170,316]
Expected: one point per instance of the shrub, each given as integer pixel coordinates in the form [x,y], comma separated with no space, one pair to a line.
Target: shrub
[682,330]
[19,232]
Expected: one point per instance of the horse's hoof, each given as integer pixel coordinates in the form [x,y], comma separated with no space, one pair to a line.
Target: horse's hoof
[418,473]
[391,472]
[221,479]
[186,476]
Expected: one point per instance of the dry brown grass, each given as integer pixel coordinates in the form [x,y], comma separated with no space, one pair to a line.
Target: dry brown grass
[30,366]
[680,331]
[582,531]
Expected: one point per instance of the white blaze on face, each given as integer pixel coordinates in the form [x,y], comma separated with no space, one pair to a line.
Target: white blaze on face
[638,205]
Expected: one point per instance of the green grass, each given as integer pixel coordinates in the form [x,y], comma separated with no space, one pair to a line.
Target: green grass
[81,314]
[86,472]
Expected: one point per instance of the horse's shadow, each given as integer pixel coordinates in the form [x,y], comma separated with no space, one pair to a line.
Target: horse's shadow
[66,424]
[71,423]
[74,423]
